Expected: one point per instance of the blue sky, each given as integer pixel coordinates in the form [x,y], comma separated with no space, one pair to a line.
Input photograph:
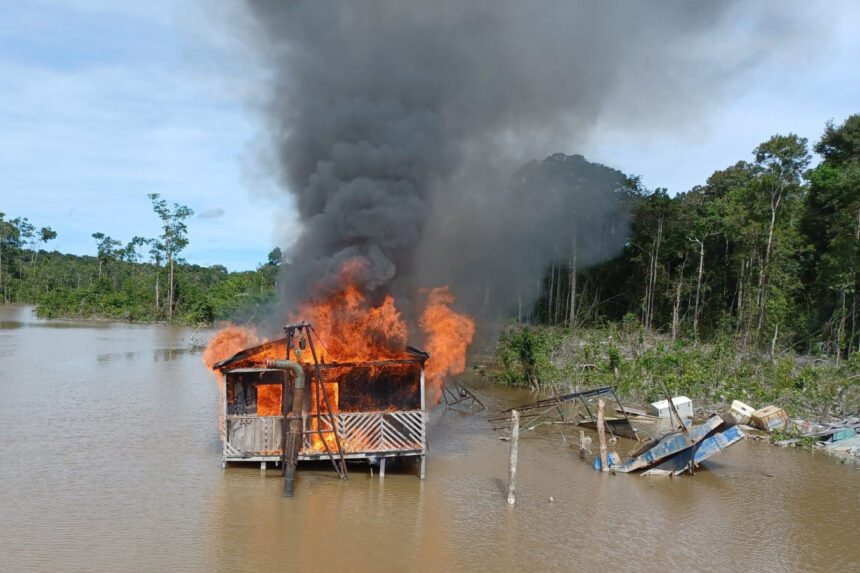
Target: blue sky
[103,102]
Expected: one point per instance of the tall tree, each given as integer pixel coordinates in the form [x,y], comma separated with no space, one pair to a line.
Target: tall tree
[107,250]
[26,235]
[831,224]
[783,160]
[8,238]
[174,238]
[45,234]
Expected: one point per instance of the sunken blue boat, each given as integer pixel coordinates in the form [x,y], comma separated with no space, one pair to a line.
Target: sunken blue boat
[683,450]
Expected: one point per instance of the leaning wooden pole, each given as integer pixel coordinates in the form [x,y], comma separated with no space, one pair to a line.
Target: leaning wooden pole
[601,435]
[512,468]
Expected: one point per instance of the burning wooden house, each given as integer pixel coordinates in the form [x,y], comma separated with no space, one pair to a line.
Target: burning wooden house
[359,411]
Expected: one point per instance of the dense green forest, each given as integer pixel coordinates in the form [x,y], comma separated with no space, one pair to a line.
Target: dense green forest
[144,279]
[743,287]
[766,251]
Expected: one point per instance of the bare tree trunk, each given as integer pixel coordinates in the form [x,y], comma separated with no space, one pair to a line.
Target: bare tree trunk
[773,342]
[854,297]
[551,286]
[652,274]
[698,287]
[853,323]
[741,296]
[775,199]
[676,307]
[519,304]
[647,289]
[571,318]
[841,330]
[170,287]
[157,281]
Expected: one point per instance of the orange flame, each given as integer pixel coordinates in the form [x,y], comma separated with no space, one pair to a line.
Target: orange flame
[227,342]
[352,329]
[448,335]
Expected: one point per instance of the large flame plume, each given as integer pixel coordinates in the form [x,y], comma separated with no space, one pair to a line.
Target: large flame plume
[352,329]
[448,335]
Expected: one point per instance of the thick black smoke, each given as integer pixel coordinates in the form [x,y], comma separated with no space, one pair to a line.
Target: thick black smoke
[397,127]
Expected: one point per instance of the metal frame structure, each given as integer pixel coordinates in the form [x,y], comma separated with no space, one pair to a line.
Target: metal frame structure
[459,394]
[552,410]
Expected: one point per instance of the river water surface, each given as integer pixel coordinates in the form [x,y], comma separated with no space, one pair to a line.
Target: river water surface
[110,461]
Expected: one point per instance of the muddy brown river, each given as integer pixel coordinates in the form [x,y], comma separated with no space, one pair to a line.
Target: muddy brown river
[110,461]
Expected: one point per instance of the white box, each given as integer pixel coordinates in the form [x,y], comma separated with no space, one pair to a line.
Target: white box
[683,404]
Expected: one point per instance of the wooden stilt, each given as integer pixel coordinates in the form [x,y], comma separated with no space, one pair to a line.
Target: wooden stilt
[382,468]
[512,468]
[601,435]
[582,449]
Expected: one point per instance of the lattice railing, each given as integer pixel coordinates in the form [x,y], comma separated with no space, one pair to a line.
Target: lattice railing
[367,432]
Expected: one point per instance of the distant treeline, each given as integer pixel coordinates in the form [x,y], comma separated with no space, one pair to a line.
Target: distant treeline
[118,284]
[765,251]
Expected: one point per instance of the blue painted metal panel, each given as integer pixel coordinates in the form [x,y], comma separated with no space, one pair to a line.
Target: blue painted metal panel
[670,445]
[718,442]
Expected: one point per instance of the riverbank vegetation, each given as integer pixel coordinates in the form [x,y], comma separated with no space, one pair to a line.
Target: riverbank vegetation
[743,287]
[558,359]
[143,279]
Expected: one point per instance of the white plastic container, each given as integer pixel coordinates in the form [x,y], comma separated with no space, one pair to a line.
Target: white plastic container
[742,412]
[683,404]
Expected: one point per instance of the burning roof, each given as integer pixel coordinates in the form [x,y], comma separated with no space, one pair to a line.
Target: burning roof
[256,356]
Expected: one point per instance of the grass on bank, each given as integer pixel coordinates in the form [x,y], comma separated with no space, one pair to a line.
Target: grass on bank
[711,374]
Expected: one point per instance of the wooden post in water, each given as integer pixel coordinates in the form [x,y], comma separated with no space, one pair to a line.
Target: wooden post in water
[512,469]
[601,436]
[582,449]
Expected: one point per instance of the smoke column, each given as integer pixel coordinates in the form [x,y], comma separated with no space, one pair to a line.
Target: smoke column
[397,127]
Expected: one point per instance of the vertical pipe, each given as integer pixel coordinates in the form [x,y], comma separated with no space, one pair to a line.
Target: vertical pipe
[601,435]
[512,468]
[292,445]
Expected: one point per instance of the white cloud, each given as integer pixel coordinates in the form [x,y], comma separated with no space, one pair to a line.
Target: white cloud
[84,138]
